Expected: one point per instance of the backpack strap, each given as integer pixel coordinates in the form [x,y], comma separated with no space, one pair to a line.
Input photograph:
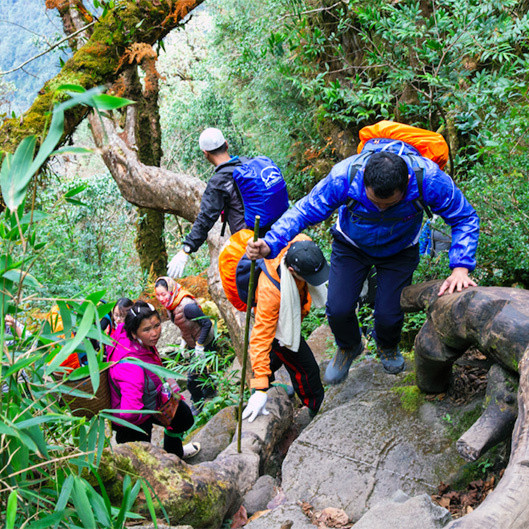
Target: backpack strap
[351,173]
[273,280]
[419,175]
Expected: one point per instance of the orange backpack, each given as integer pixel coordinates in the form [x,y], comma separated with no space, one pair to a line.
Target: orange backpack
[229,258]
[430,144]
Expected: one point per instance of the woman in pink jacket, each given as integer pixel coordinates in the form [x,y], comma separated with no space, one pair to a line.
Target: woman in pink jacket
[134,388]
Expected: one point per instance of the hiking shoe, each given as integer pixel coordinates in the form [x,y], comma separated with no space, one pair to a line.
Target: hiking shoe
[338,367]
[391,359]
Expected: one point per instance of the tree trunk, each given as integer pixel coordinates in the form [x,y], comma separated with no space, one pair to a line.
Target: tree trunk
[497,421]
[150,242]
[495,320]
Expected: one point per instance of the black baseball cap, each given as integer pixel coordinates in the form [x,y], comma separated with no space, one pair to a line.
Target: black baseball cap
[307,260]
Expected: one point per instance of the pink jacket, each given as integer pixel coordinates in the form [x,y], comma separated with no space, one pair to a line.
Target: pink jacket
[132,387]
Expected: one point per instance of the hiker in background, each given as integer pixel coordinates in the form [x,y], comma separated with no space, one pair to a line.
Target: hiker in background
[133,387]
[433,241]
[382,193]
[117,315]
[286,287]
[239,189]
[197,333]
[12,328]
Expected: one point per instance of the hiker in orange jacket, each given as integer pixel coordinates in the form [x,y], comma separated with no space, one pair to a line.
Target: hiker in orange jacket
[283,298]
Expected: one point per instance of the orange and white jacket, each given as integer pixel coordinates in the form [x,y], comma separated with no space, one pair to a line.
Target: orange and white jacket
[268,299]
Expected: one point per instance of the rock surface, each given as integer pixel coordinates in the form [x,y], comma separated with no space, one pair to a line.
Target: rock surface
[363,446]
[288,515]
[403,512]
[215,435]
[258,497]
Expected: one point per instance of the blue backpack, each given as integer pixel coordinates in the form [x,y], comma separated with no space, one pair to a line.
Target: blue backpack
[263,190]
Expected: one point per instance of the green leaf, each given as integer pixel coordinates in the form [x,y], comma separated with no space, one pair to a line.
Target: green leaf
[11,511]
[19,365]
[37,215]
[72,150]
[75,190]
[72,344]
[66,491]
[51,141]
[41,419]
[150,503]
[47,521]
[93,364]
[75,202]
[70,88]
[18,276]
[108,102]
[82,504]
[16,174]
[162,372]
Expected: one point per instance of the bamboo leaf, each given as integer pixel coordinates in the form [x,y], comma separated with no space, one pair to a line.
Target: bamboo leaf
[15,173]
[108,102]
[82,504]
[11,511]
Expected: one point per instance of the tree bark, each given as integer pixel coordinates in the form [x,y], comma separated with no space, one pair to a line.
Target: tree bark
[497,421]
[496,321]
[150,242]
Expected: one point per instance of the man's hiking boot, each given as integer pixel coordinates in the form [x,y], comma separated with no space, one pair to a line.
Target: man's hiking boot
[391,359]
[338,367]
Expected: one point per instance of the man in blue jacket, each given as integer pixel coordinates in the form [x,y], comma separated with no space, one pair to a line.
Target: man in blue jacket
[381,193]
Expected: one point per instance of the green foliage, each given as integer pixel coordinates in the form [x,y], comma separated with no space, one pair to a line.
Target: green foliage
[96,248]
[46,453]
[500,191]
[314,319]
[216,367]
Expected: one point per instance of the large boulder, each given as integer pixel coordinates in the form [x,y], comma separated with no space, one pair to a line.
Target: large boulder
[403,512]
[364,446]
[201,495]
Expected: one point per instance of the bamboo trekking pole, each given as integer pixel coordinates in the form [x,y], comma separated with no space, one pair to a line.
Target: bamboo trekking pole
[249,303]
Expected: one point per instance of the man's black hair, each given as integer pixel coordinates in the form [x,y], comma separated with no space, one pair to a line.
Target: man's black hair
[219,150]
[386,173]
[137,313]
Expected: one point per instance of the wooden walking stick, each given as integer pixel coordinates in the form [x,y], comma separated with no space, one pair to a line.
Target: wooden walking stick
[249,303]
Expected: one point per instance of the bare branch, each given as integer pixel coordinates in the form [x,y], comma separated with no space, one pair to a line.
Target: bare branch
[48,50]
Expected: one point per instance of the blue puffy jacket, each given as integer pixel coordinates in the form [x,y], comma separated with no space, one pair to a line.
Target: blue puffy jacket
[383,233]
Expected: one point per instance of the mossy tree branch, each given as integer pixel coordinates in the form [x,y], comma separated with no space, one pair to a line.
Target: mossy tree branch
[99,61]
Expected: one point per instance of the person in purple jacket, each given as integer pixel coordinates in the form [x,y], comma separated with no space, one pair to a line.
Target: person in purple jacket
[381,194]
[135,389]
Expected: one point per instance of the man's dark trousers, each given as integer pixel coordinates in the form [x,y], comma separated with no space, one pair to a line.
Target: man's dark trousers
[349,269]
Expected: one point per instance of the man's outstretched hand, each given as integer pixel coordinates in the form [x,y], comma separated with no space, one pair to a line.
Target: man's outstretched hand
[457,281]
[257,249]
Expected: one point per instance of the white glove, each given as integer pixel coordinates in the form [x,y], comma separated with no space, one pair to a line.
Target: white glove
[199,351]
[256,406]
[177,264]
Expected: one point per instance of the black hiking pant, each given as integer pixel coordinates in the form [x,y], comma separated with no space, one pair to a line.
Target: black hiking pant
[303,370]
[172,439]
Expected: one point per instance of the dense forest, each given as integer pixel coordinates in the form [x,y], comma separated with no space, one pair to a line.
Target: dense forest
[292,79]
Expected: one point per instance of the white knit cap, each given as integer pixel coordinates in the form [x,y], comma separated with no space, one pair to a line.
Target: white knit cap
[211,139]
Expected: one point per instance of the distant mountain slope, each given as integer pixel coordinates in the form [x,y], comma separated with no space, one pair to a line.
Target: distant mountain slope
[27,29]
